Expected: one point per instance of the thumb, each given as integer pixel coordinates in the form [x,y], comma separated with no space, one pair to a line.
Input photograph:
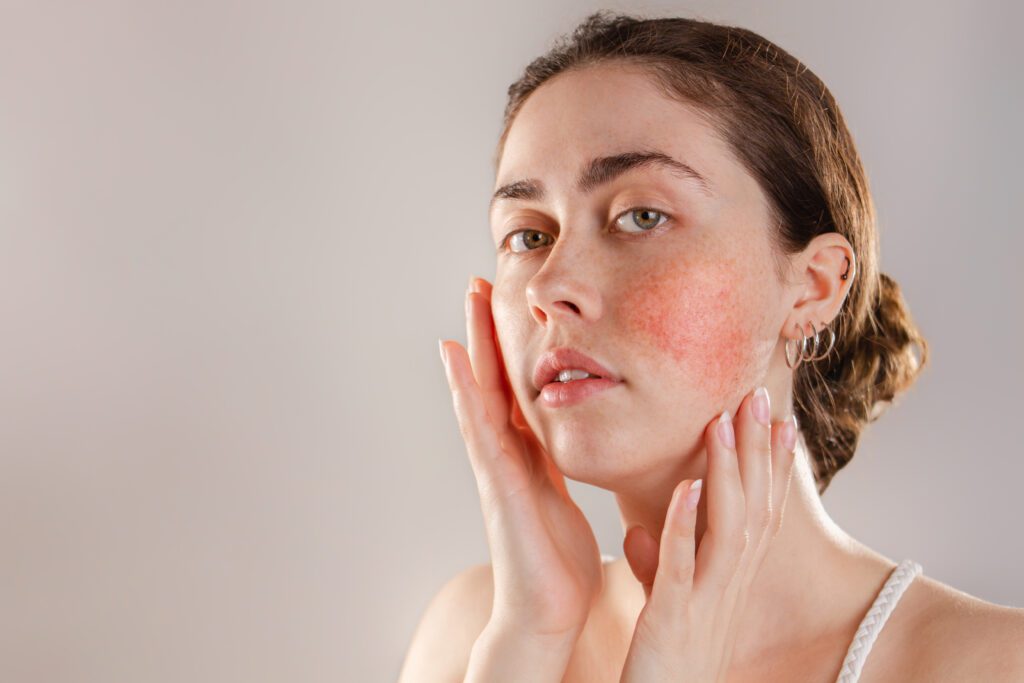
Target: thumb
[642,550]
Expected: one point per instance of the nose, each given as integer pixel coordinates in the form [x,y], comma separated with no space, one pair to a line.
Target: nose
[561,289]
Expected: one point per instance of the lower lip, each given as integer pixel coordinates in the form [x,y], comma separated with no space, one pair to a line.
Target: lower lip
[559,394]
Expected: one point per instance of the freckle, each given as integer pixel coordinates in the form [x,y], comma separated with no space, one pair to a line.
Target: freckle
[690,313]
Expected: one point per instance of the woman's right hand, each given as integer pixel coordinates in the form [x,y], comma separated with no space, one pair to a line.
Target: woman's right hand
[545,559]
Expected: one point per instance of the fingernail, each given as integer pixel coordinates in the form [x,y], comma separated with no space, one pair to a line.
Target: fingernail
[693,497]
[444,356]
[789,433]
[762,411]
[725,432]
[472,284]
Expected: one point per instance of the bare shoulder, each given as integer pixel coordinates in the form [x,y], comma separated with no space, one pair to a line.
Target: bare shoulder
[450,625]
[960,637]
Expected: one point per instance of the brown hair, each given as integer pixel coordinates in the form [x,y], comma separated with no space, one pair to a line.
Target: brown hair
[784,126]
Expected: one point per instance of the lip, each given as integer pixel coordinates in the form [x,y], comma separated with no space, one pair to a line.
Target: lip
[561,358]
[559,394]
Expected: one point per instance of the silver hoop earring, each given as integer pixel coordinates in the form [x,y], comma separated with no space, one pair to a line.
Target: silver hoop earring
[802,353]
[799,352]
[831,343]
[814,349]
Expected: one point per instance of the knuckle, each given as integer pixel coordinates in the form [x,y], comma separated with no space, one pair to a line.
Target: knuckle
[684,531]
[682,572]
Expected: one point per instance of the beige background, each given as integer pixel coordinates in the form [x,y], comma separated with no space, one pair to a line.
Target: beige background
[231,234]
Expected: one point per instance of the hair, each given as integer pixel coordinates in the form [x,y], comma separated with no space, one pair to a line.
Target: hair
[785,128]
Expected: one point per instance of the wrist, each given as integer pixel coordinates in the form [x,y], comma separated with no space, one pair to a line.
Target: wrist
[502,653]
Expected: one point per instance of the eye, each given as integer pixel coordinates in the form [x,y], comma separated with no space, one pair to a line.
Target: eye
[524,240]
[645,218]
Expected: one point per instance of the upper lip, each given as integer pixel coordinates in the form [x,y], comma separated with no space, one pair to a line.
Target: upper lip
[561,358]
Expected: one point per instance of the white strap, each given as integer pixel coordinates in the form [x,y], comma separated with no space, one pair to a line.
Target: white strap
[875,619]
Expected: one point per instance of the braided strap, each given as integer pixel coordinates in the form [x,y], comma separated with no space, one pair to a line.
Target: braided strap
[875,619]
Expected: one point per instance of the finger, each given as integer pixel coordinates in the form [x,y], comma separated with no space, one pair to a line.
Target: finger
[484,357]
[489,366]
[479,284]
[498,476]
[511,522]
[725,538]
[673,583]
[784,436]
[486,290]
[781,469]
[753,443]
[641,551]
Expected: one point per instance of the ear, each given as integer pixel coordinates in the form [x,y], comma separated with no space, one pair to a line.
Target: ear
[820,284]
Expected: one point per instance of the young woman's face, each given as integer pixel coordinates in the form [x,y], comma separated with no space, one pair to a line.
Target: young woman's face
[667,283]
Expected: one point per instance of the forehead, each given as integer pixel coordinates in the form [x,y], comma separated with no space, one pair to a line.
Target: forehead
[598,110]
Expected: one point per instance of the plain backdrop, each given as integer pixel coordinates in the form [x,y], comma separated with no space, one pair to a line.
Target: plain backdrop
[232,233]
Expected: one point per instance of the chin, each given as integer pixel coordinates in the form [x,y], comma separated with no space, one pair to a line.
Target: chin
[617,459]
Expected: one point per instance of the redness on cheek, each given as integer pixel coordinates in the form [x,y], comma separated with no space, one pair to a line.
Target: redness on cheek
[690,314]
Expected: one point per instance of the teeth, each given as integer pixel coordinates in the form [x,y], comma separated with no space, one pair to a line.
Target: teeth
[571,374]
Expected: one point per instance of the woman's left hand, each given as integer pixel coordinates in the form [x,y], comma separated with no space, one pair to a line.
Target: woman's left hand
[687,628]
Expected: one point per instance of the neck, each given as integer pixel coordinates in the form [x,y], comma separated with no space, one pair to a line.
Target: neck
[815,582]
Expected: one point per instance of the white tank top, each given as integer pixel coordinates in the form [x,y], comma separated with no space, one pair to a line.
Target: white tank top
[873,621]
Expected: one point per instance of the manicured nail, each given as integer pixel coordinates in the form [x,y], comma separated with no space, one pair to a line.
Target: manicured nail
[693,497]
[725,432]
[472,284]
[789,433]
[444,356]
[762,411]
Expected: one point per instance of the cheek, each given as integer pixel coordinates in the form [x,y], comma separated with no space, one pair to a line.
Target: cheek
[691,316]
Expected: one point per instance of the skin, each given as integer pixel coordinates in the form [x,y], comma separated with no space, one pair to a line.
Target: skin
[674,310]
[691,316]
[691,319]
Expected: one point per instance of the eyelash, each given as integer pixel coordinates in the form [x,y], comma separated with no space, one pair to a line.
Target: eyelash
[645,234]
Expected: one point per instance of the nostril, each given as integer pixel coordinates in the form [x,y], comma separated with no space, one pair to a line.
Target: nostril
[573,307]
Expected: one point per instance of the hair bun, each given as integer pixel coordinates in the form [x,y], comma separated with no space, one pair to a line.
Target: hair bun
[873,366]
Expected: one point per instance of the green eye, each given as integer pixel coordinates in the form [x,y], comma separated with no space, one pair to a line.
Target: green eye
[644,218]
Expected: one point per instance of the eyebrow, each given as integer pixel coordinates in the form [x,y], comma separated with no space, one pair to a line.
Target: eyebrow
[603,170]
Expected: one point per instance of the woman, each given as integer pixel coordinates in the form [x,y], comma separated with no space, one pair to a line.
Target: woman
[687,260]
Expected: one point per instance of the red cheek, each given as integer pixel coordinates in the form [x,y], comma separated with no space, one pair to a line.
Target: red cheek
[690,314]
